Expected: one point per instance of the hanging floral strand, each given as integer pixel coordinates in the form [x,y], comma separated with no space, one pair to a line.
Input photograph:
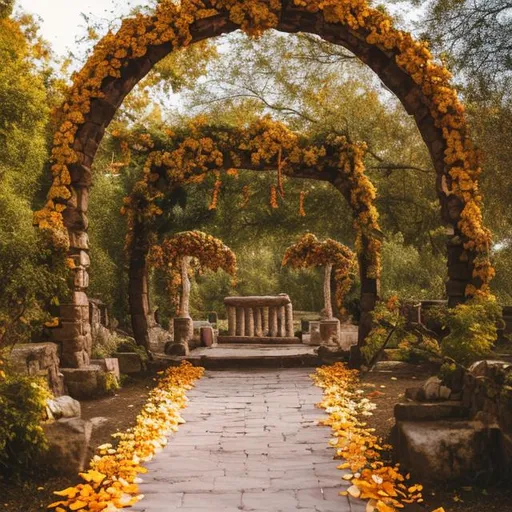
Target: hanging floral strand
[216,191]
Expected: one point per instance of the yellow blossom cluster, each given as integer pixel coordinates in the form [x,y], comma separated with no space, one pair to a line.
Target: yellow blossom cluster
[262,145]
[111,482]
[384,487]
[206,251]
[308,251]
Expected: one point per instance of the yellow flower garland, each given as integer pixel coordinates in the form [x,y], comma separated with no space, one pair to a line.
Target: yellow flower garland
[171,23]
[111,482]
[264,144]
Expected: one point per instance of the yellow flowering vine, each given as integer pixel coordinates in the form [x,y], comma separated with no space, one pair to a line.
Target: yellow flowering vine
[170,24]
[263,145]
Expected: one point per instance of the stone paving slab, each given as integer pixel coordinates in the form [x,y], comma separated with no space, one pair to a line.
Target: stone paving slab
[251,443]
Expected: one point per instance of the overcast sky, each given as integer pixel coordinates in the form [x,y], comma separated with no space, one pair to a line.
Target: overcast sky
[61,20]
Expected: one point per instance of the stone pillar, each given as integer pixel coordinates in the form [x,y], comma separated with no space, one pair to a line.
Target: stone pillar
[74,332]
[264,320]
[273,321]
[289,321]
[249,322]
[240,322]
[231,312]
[282,321]
[258,329]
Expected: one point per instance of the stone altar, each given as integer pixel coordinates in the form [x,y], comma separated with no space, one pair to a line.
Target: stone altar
[259,319]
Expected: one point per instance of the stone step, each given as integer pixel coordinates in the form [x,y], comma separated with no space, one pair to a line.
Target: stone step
[430,411]
[234,356]
[259,340]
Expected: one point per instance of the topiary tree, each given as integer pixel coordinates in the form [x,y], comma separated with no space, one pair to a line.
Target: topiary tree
[334,256]
[184,252]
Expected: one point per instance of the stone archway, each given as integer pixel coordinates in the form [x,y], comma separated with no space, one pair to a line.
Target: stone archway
[405,66]
[263,146]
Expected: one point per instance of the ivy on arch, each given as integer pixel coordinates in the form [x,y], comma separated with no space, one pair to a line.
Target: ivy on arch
[404,65]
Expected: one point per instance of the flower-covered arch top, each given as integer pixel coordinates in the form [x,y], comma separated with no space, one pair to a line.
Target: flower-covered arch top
[190,155]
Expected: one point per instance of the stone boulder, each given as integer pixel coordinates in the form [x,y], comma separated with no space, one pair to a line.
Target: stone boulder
[69,445]
[130,363]
[64,407]
[441,451]
[87,382]
[39,359]
[432,388]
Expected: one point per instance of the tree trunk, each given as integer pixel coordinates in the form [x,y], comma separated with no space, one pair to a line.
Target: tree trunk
[327,291]
[185,288]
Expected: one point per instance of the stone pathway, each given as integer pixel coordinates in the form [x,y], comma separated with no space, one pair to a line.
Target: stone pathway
[250,443]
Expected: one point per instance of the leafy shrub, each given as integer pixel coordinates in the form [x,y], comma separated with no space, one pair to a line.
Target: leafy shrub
[22,411]
[473,330]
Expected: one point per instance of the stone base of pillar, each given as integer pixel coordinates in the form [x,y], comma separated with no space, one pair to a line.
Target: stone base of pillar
[313,338]
[183,333]
[330,331]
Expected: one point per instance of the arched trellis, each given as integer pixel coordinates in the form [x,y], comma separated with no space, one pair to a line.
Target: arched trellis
[405,66]
[265,145]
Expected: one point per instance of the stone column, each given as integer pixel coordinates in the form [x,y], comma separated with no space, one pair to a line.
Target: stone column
[249,322]
[258,330]
[264,320]
[273,321]
[289,321]
[240,322]
[282,321]
[231,312]
[74,331]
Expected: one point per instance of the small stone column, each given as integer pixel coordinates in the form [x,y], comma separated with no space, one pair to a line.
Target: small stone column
[240,322]
[264,320]
[282,321]
[273,321]
[249,322]
[258,330]
[183,333]
[231,312]
[289,321]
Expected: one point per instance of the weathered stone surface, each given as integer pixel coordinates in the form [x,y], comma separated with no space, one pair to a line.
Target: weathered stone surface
[158,338]
[444,450]
[64,407]
[177,349]
[69,445]
[84,383]
[39,359]
[207,336]
[109,365]
[417,394]
[330,331]
[250,443]
[129,362]
[426,411]
[432,388]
